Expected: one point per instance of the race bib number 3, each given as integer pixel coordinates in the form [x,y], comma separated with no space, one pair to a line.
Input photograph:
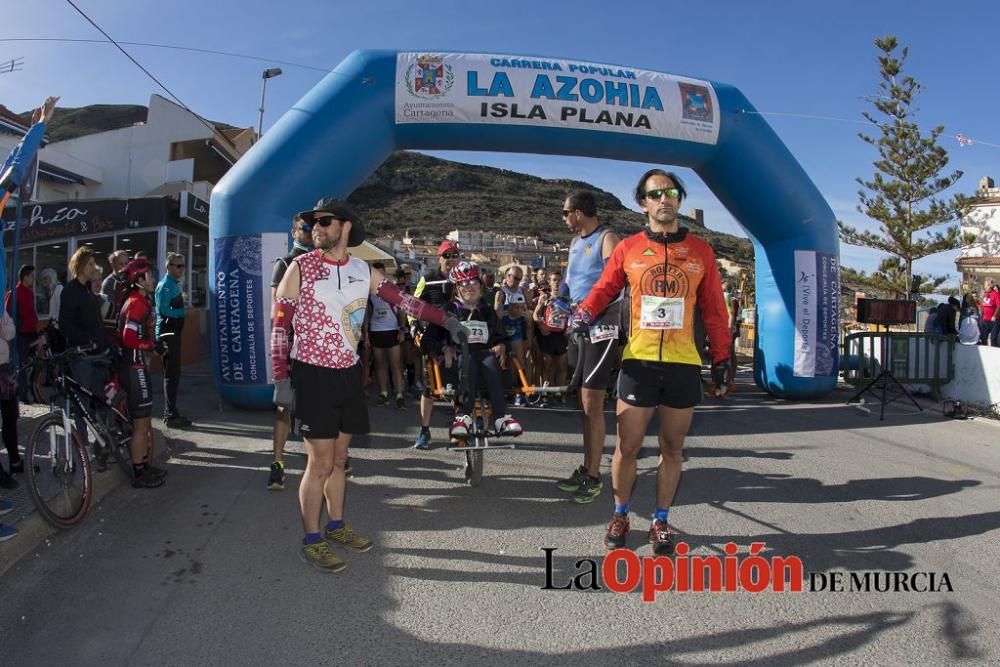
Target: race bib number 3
[478,331]
[660,312]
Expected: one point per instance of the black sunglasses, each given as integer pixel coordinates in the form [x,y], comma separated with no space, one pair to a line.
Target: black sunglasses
[326,221]
[179,266]
[566,213]
[450,255]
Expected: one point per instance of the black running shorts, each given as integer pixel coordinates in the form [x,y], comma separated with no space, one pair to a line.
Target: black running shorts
[647,384]
[329,401]
[134,378]
[384,339]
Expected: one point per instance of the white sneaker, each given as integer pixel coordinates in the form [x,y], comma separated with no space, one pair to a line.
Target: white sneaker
[507,425]
[460,427]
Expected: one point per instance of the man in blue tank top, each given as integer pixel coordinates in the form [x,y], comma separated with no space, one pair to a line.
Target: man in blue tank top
[588,253]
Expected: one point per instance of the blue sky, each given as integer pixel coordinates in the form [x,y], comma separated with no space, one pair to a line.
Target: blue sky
[786,57]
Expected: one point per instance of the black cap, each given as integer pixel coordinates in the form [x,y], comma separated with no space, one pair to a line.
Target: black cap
[343,211]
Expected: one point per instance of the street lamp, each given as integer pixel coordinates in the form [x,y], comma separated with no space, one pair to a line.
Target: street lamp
[267,74]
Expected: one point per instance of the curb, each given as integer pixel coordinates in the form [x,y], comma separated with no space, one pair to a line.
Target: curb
[33,529]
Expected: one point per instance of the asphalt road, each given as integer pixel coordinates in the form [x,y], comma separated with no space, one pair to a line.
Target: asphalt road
[205,570]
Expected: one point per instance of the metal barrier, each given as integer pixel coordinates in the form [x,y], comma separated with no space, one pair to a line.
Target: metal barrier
[913,358]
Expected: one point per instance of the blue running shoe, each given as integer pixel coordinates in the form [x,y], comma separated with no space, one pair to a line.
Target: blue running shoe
[423,440]
[7,532]
[6,507]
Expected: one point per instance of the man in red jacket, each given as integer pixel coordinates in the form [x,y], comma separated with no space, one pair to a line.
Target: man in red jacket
[26,319]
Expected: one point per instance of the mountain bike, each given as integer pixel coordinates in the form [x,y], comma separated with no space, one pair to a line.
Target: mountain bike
[57,463]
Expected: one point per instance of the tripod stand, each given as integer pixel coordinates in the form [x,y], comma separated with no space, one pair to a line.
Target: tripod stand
[884,380]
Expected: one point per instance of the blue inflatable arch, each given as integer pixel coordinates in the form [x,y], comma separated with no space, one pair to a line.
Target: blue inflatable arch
[379,101]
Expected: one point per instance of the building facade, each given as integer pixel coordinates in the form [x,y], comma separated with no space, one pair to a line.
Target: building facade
[980,259]
[144,187]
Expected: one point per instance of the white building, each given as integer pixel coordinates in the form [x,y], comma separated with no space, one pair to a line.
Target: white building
[143,187]
[981,259]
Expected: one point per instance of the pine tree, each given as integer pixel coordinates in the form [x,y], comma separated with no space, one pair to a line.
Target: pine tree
[904,195]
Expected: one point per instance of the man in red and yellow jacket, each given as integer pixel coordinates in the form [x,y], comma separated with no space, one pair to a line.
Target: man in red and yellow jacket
[669,274]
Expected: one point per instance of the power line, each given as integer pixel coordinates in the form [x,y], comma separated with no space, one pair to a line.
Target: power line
[14,65]
[146,71]
[168,46]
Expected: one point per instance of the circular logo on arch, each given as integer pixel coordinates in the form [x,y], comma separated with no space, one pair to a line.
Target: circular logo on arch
[429,77]
[656,282]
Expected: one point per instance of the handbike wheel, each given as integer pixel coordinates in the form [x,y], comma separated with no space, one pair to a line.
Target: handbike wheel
[59,477]
[533,398]
[474,467]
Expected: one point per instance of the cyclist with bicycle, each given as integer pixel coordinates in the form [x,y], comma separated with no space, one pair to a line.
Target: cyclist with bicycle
[487,346]
[670,274]
[81,325]
[137,328]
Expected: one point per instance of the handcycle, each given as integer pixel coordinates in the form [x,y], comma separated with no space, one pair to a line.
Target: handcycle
[482,436]
[56,459]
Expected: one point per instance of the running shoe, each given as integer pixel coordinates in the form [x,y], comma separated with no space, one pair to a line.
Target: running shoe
[176,421]
[400,402]
[572,483]
[147,480]
[6,507]
[617,531]
[460,427]
[17,468]
[507,425]
[347,538]
[276,482]
[590,488]
[383,399]
[320,557]
[423,440]
[7,532]
[156,472]
[519,401]
[6,481]
[661,538]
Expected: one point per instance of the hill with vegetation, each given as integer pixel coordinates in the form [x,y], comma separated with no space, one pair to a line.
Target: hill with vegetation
[430,197]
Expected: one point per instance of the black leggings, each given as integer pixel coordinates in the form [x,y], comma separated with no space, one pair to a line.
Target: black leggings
[485,369]
[8,413]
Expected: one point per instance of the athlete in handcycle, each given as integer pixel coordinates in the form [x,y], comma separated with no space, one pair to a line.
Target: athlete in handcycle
[482,353]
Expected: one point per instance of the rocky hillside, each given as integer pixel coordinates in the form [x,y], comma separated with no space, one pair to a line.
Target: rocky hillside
[431,197]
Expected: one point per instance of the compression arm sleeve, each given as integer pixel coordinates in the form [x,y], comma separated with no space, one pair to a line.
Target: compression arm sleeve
[280,335]
[712,305]
[411,305]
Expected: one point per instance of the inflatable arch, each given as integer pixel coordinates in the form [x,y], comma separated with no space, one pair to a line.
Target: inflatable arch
[378,101]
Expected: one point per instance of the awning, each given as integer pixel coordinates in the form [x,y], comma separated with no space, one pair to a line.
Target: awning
[53,173]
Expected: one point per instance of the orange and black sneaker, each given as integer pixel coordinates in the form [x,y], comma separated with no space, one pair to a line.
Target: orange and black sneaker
[617,531]
[661,538]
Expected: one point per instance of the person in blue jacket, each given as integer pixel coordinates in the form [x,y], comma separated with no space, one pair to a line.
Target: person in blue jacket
[170,314]
[11,176]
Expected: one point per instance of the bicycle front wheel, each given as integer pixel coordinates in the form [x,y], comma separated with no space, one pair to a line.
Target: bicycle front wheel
[58,472]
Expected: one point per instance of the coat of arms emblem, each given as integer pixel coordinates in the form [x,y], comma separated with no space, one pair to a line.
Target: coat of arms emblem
[429,77]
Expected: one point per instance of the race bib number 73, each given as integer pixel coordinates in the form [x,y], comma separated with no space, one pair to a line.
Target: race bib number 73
[661,312]
[478,331]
